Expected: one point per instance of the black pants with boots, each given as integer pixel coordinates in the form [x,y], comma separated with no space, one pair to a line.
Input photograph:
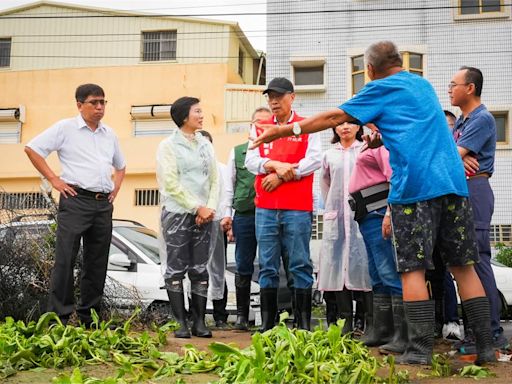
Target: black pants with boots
[177,301]
[331,310]
[345,309]
[420,331]
[243,299]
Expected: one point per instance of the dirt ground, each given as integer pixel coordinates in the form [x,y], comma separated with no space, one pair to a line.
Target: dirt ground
[503,371]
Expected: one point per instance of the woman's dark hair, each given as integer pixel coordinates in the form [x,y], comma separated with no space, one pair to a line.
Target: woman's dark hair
[359,134]
[85,90]
[181,108]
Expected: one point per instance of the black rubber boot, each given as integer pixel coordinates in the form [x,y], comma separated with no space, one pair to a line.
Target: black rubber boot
[368,305]
[439,318]
[177,301]
[199,298]
[330,307]
[345,309]
[243,300]
[479,319]
[399,341]
[382,330]
[268,302]
[420,330]
[303,308]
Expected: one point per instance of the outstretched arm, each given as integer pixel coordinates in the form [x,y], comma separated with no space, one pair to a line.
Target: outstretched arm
[318,122]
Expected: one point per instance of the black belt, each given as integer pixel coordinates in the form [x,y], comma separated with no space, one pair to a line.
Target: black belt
[94,195]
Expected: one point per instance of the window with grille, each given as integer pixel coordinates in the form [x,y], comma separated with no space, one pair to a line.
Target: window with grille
[158,46]
[412,62]
[502,130]
[501,233]
[477,7]
[317,228]
[147,197]
[5,52]
[24,200]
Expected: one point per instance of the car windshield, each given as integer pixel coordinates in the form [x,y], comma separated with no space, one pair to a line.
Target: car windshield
[144,239]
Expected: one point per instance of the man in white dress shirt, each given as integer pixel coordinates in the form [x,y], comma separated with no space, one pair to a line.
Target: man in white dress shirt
[88,151]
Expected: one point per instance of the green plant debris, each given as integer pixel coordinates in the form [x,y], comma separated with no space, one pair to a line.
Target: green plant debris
[476,372]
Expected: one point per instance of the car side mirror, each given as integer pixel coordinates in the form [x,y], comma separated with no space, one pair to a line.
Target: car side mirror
[119,261]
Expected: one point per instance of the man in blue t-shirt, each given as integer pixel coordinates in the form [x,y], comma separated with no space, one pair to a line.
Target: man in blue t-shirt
[475,136]
[428,197]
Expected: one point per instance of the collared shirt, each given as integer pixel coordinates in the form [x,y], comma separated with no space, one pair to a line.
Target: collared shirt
[477,134]
[86,156]
[309,164]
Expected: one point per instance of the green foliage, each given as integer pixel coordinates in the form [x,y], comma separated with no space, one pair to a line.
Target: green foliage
[476,372]
[283,355]
[504,255]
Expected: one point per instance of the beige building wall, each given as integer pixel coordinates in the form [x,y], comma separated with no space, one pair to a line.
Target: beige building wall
[53,51]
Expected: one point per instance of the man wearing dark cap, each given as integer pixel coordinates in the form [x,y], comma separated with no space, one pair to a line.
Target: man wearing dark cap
[284,202]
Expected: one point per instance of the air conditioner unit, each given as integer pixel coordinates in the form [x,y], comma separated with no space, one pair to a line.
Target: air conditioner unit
[9,115]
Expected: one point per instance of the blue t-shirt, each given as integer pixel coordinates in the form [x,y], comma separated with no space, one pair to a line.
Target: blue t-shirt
[422,152]
[477,133]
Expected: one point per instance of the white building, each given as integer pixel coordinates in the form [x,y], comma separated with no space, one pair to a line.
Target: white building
[319,46]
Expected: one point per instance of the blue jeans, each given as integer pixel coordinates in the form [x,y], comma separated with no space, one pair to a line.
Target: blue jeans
[381,256]
[289,231]
[244,230]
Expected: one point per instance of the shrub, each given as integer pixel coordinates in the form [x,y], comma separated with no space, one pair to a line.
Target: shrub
[504,255]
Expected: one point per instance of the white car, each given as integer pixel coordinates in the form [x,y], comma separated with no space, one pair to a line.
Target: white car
[134,262]
[134,275]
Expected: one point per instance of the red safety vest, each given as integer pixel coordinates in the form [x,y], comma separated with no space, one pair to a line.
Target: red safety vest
[292,195]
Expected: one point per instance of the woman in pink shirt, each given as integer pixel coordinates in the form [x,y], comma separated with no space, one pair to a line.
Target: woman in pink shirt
[369,188]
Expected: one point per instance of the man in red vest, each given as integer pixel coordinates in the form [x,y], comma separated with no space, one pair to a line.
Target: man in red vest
[284,204]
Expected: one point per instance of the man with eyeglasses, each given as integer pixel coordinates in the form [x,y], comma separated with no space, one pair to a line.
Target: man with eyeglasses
[88,151]
[428,196]
[475,135]
[284,204]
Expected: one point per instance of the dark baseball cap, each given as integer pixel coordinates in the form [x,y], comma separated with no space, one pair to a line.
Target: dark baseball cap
[279,85]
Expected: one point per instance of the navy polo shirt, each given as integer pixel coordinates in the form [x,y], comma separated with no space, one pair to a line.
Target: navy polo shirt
[477,133]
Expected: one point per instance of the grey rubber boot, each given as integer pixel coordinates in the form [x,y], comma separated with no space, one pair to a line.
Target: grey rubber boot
[420,319]
[303,308]
[382,330]
[479,319]
[243,300]
[399,341]
[177,301]
[199,298]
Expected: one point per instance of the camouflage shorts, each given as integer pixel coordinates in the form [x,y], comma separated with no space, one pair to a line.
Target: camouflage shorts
[445,222]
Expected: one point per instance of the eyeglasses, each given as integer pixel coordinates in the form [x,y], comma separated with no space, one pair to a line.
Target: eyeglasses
[95,102]
[453,85]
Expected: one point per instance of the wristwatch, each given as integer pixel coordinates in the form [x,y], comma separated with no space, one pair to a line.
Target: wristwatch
[297,130]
